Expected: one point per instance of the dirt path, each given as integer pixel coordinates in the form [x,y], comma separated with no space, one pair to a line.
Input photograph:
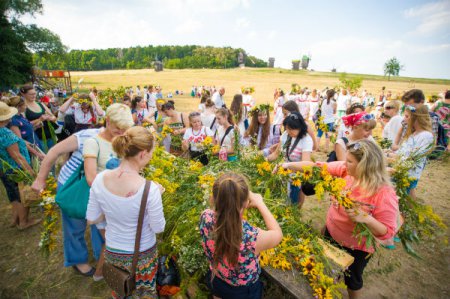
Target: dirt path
[24,273]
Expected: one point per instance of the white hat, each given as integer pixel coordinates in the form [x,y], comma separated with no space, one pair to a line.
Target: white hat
[6,112]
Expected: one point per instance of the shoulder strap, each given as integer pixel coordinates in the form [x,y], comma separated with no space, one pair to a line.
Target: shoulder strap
[182,120]
[290,149]
[137,242]
[226,133]
[345,140]
[212,124]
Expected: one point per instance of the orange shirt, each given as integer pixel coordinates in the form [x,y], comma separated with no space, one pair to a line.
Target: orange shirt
[383,206]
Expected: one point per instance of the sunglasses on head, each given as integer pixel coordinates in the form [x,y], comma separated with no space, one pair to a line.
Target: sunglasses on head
[389,107]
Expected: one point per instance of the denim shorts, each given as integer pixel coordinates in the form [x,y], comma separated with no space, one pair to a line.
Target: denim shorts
[223,290]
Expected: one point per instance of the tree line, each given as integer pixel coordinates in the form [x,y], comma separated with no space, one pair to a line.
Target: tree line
[173,57]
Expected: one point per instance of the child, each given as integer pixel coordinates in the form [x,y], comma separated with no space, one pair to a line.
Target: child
[231,244]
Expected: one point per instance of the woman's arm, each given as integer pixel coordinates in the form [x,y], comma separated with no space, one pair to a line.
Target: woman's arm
[297,166]
[90,169]
[14,152]
[48,113]
[313,137]
[66,105]
[66,146]
[97,107]
[272,236]
[273,155]
[376,227]
[396,145]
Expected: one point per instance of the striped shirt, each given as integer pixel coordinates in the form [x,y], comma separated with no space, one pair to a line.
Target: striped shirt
[77,156]
[295,155]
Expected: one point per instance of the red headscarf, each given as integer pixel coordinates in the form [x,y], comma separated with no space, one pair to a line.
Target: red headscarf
[355,119]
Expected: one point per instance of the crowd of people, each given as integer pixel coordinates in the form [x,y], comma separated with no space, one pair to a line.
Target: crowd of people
[113,146]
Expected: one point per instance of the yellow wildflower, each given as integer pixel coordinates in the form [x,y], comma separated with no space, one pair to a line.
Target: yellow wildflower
[307,173]
[296,183]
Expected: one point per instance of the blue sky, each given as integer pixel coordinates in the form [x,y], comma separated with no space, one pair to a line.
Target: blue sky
[353,36]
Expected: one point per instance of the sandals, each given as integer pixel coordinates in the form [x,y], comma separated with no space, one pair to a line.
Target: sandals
[86,274]
[29,224]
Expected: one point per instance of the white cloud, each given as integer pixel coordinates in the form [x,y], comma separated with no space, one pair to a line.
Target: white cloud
[188,26]
[272,34]
[433,17]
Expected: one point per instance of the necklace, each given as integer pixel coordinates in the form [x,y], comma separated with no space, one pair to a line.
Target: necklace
[199,131]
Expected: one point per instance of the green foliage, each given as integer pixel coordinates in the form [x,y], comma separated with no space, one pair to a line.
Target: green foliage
[351,83]
[392,67]
[173,57]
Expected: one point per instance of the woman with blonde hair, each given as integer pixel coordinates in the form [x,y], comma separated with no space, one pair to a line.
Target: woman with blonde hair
[418,141]
[98,152]
[116,196]
[391,109]
[376,205]
[234,272]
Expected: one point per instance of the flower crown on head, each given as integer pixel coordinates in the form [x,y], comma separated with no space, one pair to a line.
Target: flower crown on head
[84,101]
[247,89]
[355,119]
[257,109]
[410,108]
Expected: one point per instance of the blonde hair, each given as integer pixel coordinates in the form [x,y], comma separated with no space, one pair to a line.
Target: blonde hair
[134,141]
[421,115]
[371,171]
[368,125]
[393,103]
[13,101]
[120,115]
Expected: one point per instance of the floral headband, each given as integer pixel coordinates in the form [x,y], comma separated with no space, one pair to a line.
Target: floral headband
[410,108]
[355,119]
[261,108]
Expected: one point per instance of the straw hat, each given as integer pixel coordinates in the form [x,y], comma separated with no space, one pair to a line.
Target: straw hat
[6,112]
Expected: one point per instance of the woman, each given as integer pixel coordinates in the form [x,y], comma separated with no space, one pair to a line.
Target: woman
[116,196]
[291,106]
[261,133]
[23,128]
[295,145]
[238,111]
[235,273]
[313,100]
[194,136]
[209,115]
[361,125]
[14,152]
[343,103]
[303,104]
[328,110]
[394,124]
[39,115]
[178,123]
[344,131]
[139,111]
[376,206]
[224,136]
[418,141]
[85,110]
[278,107]
[98,154]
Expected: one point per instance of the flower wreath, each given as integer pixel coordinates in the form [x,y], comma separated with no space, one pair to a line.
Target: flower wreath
[260,108]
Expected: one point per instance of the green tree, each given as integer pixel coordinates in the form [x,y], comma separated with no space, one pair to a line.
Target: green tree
[19,40]
[351,83]
[392,67]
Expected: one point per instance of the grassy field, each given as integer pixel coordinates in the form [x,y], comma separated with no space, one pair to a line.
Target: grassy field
[265,81]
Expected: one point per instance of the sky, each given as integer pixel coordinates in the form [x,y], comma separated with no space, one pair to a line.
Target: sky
[356,36]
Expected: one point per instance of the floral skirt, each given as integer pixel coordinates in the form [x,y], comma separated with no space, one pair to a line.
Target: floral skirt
[146,270]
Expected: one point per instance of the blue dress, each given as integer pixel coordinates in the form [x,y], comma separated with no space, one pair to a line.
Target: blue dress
[26,129]
[8,138]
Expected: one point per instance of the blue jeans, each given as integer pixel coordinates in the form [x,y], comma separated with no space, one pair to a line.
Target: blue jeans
[75,247]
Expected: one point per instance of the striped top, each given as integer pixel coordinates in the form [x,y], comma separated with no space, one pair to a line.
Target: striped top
[77,156]
[295,155]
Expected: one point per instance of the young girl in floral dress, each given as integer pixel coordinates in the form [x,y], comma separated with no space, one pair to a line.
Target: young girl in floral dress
[231,244]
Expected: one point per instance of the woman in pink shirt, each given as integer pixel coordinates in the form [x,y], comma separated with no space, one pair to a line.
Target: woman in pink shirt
[377,206]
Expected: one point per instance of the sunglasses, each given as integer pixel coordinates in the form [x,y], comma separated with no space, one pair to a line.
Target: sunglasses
[389,108]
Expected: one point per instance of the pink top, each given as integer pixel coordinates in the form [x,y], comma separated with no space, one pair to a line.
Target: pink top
[383,206]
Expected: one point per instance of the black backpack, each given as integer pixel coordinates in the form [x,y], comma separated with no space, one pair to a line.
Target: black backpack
[332,156]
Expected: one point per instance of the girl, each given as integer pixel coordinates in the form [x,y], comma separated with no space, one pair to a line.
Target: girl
[14,151]
[296,145]
[394,124]
[194,136]
[344,131]
[418,140]
[291,106]
[116,196]
[209,116]
[38,114]
[139,111]
[86,113]
[303,104]
[278,106]
[177,122]
[225,132]
[361,125]
[231,244]
[99,154]
[376,205]
[313,100]
[261,132]
[328,109]
[237,108]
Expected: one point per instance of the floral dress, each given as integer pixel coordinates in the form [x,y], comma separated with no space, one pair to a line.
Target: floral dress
[248,270]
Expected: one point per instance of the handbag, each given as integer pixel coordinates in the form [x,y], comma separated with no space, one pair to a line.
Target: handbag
[121,281]
[27,195]
[72,198]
